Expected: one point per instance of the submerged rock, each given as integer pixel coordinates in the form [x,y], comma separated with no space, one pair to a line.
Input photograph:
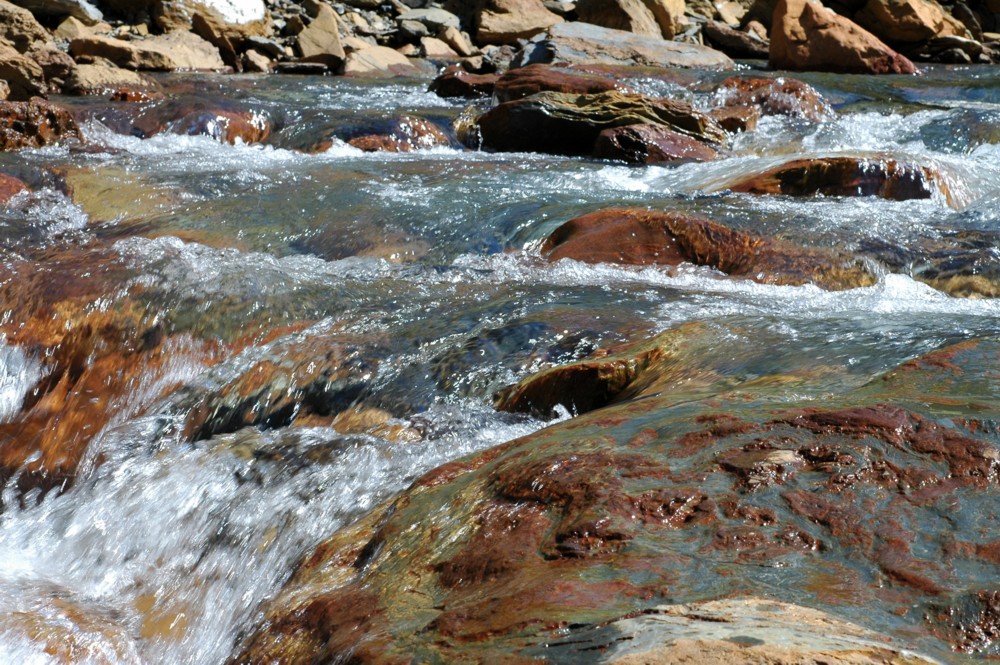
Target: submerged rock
[10,187]
[456,82]
[777,96]
[34,124]
[636,236]
[847,176]
[408,133]
[572,540]
[568,124]
[807,36]
[527,81]
[650,144]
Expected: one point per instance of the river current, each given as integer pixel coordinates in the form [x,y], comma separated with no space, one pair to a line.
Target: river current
[423,269]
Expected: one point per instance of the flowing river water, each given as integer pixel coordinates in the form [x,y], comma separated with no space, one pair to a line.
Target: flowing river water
[416,278]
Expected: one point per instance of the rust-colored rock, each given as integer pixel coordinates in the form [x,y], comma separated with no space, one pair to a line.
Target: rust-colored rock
[567,124]
[34,124]
[456,82]
[408,133]
[777,96]
[643,237]
[736,118]
[847,176]
[806,36]
[10,187]
[527,81]
[650,144]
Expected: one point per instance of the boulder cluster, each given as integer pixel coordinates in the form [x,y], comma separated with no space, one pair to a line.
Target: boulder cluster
[93,47]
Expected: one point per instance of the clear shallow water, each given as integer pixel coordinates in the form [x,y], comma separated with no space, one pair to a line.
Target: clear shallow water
[426,265]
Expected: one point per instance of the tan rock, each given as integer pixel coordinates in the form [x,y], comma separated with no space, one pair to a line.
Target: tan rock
[25,78]
[54,63]
[4,90]
[909,21]
[730,12]
[458,41]
[103,78]
[806,36]
[255,61]
[241,18]
[378,61]
[320,41]
[506,21]
[19,27]
[435,49]
[72,28]
[653,18]
[169,52]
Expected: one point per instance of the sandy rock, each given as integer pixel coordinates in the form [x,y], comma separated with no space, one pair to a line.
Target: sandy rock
[79,9]
[456,82]
[579,43]
[73,28]
[4,90]
[54,63]
[10,187]
[457,40]
[526,81]
[568,124]
[379,61]
[241,18]
[19,27]
[435,49]
[806,36]
[169,52]
[25,78]
[653,18]
[506,21]
[734,43]
[320,41]
[650,144]
[255,61]
[908,21]
[104,78]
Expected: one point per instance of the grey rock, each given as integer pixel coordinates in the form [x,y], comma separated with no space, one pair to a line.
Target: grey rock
[435,19]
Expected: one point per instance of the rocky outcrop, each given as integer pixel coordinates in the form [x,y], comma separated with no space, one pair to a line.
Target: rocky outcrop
[777,96]
[806,36]
[526,81]
[24,77]
[585,44]
[909,21]
[20,28]
[506,21]
[408,133]
[34,124]
[567,124]
[636,236]
[320,41]
[847,176]
[103,78]
[653,18]
[170,52]
[650,144]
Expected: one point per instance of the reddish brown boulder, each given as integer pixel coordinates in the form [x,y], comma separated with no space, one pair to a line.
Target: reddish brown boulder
[10,187]
[650,144]
[527,81]
[847,176]
[777,96]
[226,125]
[736,118]
[456,82]
[637,236]
[806,36]
[407,134]
[34,124]
[567,124]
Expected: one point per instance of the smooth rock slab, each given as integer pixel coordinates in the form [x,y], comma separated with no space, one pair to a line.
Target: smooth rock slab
[526,81]
[650,144]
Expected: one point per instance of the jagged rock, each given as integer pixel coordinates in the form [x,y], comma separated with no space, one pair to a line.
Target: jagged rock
[10,187]
[847,176]
[169,52]
[653,18]
[78,9]
[456,82]
[908,21]
[635,236]
[105,79]
[567,124]
[25,78]
[734,43]
[320,41]
[777,96]
[806,36]
[19,27]
[506,21]
[580,43]
[237,19]
[526,81]
[650,144]
[407,133]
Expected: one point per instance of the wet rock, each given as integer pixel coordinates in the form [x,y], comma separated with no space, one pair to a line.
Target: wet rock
[34,124]
[635,236]
[78,9]
[526,81]
[578,43]
[456,82]
[226,125]
[650,144]
[173,51]
[10,187]
[777,96]
[104,78]
[506,21]
[407,134]
[653,18]
[19,27]
[320,41]
[735,43]
[736,118]
[568,124]
[809,37]
[380,62]
[24,77]
[847,176]
[908,21]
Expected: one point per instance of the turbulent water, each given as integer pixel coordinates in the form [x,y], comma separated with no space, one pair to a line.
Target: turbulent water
[425,266]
